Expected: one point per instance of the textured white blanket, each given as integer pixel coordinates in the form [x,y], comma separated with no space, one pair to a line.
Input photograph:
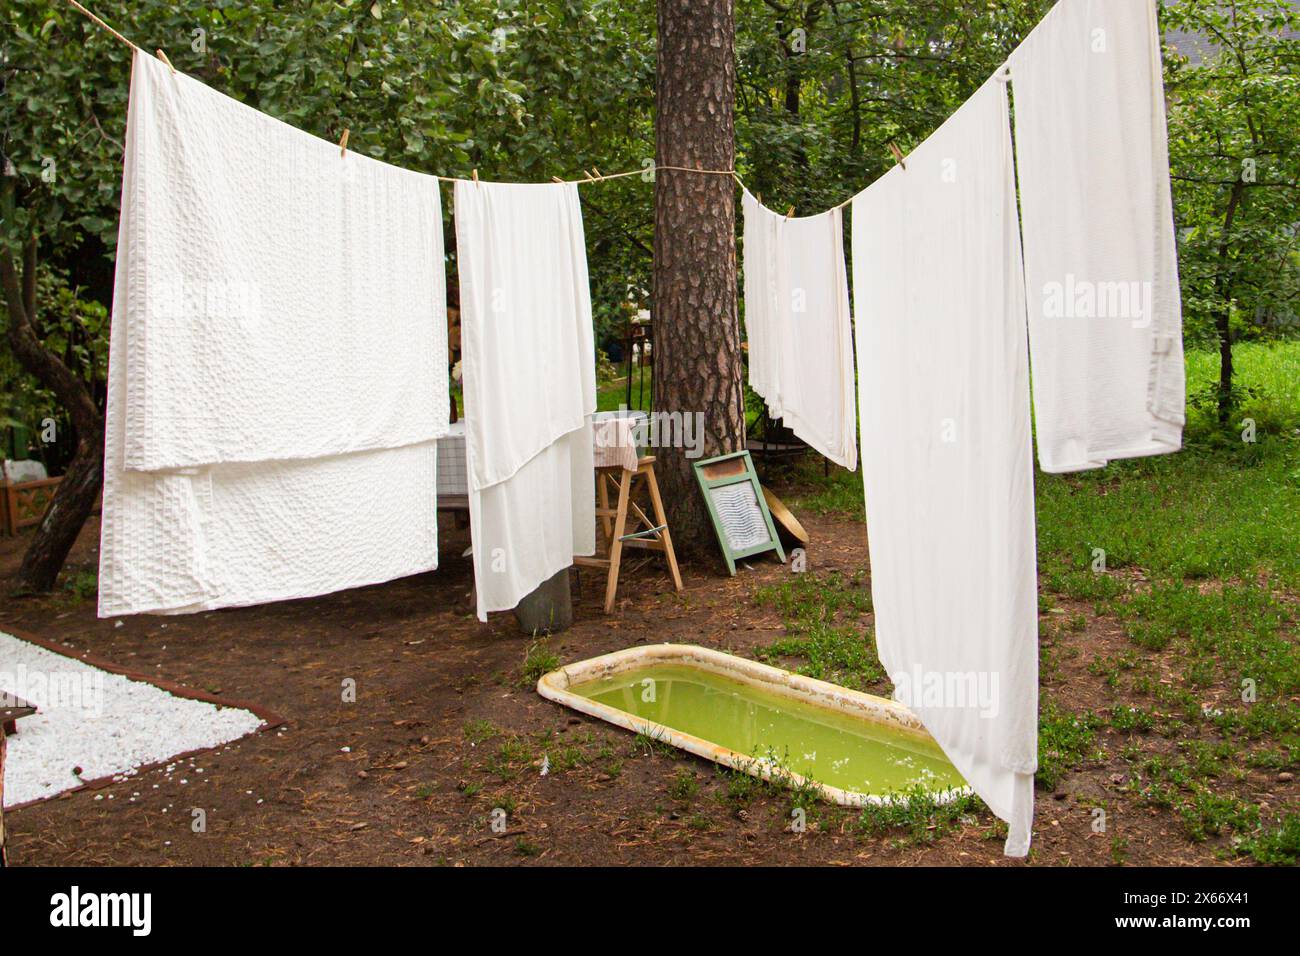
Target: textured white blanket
[761,241]
[528,349]
[290,301]
[1101,269]
[946,451]
[797,320]
[218,535]
[528,355]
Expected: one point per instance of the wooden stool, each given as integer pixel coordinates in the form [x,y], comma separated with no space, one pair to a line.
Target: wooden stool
[635,530]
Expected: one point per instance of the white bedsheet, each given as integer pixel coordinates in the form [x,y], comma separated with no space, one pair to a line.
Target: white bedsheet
[1101,268]
[529,365]
[797,320]
[946,454]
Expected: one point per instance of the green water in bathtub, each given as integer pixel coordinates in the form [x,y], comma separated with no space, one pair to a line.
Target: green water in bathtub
[830,747]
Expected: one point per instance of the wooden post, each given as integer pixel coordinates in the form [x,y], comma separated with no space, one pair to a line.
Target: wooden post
[548,609]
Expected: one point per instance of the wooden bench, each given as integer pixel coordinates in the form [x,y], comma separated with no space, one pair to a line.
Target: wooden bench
[23,503]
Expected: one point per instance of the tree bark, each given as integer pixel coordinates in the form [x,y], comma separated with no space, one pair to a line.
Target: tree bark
[75,495]
[697,364]
[1223,321]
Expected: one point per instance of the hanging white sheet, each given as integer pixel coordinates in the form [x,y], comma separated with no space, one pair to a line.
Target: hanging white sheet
[219,531]
[760,300]
[292,299]
[529,374]
[797,320]
[946,450]
[1101,269]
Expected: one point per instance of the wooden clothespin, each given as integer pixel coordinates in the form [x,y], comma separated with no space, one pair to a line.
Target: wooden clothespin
[163,56]
[343,143]
[898,155]
[557,179]
[597,171]
[474,173]
[789,212]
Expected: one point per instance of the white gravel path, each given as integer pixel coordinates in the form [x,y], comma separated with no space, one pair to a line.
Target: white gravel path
[103,723]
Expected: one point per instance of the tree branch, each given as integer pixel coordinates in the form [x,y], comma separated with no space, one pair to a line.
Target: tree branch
[29,280]
[27,347]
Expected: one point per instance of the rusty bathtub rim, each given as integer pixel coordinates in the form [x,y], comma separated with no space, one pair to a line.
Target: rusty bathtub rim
[555,685]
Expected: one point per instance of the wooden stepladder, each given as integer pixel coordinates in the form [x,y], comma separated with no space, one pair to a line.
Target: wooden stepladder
[626,525]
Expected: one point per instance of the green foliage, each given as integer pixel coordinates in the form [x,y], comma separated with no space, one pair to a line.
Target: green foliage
[683,787]
[538,660]
[519,90]
[1235,154]
[823,628]
[919,812]
[528,89]
[1278,844]
[822,87]
[1065,741]
[1208,814]
[75,328]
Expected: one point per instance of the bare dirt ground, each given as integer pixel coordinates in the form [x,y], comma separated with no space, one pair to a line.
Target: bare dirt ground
[445,729]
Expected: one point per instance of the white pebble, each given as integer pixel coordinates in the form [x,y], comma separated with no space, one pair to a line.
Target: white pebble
[113,728]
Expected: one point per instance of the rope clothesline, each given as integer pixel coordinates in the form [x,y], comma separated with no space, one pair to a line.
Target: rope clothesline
[592,176]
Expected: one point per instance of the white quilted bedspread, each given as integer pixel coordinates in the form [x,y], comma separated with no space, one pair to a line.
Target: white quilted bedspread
[293,299]
[277,367]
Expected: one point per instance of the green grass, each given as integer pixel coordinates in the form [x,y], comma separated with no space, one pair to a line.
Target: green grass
[611,394]
[683,787]
[1243,632]
[1277,844]
[824,627]
[510,759]
[838,492]
[1201,570]
[651,741]
[920,815]
[1220,508]
[1209,814]
[538,660]
[477,731]
[1065,741]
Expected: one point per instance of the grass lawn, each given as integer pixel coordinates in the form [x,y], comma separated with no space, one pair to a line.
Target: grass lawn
[1195,558]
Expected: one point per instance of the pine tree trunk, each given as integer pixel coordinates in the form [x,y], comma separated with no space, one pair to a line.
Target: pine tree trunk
[697,363]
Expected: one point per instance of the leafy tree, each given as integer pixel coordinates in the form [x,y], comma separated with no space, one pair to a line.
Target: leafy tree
[1235,156]
[529,89]
[517,89]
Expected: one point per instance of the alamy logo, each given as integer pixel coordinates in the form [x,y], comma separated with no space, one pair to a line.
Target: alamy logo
[73,690]
[133,910]
[220,303]
[958,690]
[1081,299]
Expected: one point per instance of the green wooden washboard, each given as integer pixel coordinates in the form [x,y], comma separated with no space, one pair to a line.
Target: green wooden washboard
[720,482]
